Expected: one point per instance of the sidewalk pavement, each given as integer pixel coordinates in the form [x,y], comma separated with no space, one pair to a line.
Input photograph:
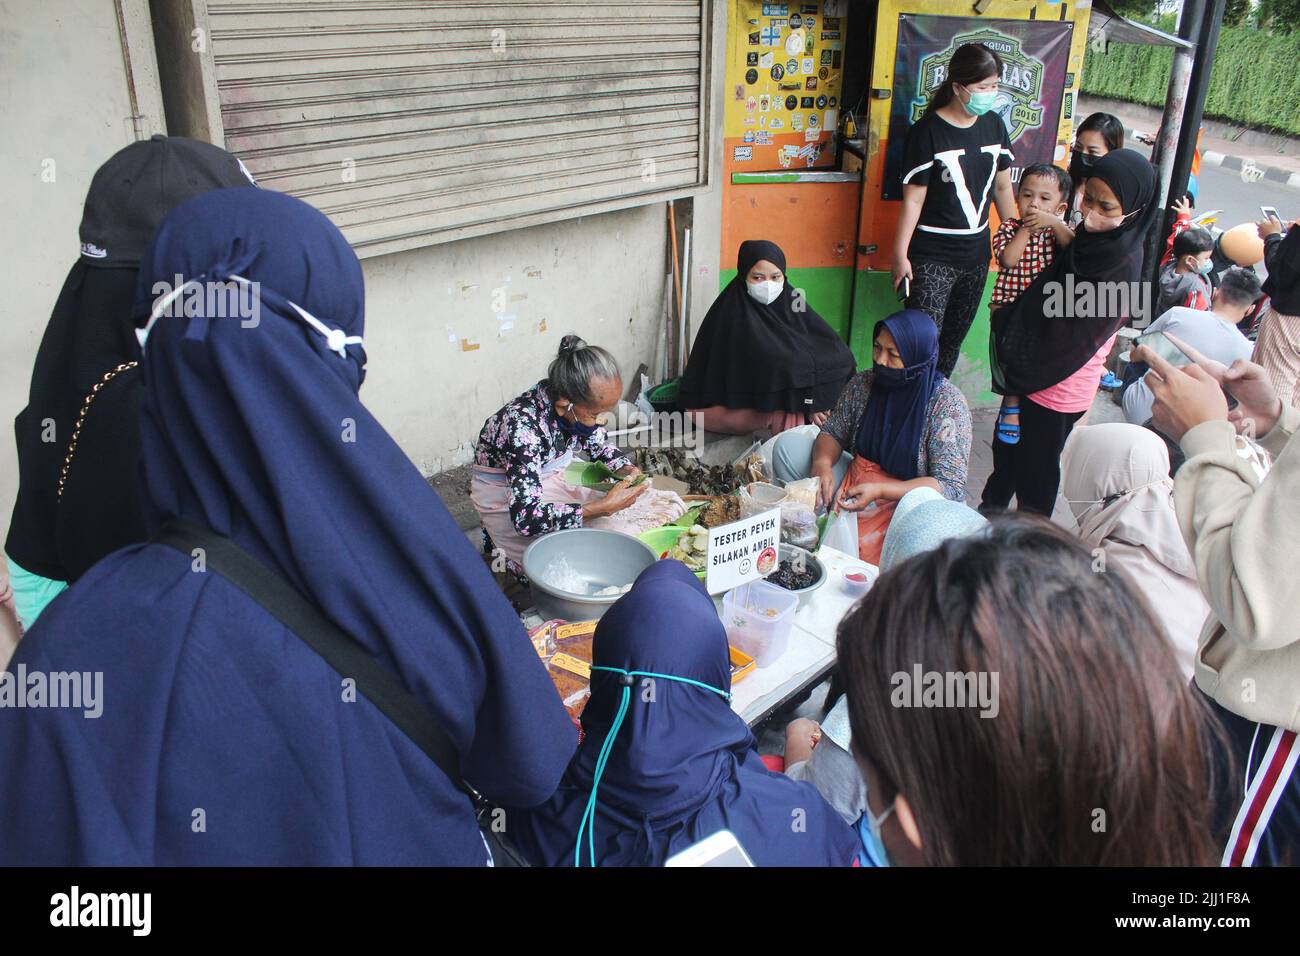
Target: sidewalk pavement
[1253,163]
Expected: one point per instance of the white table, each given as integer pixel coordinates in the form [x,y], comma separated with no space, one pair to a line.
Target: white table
[811,655]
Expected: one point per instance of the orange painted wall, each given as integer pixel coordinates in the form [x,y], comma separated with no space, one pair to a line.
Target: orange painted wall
[813,223]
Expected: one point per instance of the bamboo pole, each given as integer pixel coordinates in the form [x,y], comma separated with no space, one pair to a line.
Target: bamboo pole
[675,360]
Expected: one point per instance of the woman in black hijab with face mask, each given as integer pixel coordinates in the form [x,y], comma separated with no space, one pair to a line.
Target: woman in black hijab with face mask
[76,503]
[1050,344]
[763,360]
[1096,136]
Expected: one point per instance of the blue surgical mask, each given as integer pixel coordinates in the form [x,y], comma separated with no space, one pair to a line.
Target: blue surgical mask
[1206,267]
[980,103]
[873,847]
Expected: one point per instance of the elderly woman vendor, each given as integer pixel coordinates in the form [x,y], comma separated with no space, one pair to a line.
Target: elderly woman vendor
[518,486]
[898,425]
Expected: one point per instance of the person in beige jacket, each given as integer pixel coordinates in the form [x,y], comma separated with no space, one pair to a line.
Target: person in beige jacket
[1237,505]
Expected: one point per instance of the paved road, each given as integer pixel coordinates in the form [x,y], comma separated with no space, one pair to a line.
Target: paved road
[1240,201]
[1224,189]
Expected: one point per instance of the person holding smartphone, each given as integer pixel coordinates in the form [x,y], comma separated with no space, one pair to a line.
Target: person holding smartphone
[1277,346]
[1213,332]
[956,165]
[1238,515]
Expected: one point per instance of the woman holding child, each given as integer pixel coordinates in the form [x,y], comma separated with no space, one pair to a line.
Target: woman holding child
[1051,350]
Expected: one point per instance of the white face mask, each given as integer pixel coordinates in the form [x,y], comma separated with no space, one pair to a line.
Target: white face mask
[765,292]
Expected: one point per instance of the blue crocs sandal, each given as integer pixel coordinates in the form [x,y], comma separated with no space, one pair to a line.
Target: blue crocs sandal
[1006,432]
[1110,381]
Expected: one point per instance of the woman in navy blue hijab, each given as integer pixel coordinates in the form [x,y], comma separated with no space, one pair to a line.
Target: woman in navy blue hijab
[223,738]
[898,425]
[683,765]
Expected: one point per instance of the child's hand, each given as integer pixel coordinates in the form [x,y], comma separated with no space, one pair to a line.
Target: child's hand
[1183,207]
[1038,220]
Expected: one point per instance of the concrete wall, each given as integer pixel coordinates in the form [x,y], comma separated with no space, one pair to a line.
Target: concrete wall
[442,357]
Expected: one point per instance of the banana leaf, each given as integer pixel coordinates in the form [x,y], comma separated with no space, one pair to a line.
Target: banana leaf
[590,474]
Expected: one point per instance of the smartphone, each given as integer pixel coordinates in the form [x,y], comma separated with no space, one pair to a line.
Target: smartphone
[904,289]
[1270,212]
[1164,346]
[720,849]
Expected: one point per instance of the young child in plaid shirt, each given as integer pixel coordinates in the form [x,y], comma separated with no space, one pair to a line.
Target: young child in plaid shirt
[1024,247]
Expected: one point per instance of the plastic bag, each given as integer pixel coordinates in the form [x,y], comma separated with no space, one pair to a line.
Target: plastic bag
[643,400]
[799,526]
[804,490]
[751,465]
[798,518]
[759,496]
[799,513]
[842,532]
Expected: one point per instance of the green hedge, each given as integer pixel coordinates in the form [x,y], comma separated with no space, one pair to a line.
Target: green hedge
[1255,81]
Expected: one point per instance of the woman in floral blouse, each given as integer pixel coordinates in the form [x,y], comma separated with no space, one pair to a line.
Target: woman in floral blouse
[518,486]
[898,425]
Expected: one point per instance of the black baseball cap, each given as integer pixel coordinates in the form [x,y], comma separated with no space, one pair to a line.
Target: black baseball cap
[132,193]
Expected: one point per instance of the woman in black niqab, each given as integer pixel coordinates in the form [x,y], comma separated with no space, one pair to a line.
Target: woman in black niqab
[67,518]
[761,365]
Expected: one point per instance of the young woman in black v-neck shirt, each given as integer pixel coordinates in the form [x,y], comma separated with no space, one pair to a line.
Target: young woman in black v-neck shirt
[956,165]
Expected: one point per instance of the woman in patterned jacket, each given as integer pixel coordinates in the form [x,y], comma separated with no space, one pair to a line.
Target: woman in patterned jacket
[518,486]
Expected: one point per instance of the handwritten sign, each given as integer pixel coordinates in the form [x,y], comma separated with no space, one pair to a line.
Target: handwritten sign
[742,551]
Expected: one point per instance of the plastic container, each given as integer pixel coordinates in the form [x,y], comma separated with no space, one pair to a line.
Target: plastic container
[758,617]
[856,582]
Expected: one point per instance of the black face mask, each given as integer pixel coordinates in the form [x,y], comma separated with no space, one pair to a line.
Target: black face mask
[1081,164]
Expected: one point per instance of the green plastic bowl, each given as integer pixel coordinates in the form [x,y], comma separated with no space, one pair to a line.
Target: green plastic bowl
[659,540]
[663,397]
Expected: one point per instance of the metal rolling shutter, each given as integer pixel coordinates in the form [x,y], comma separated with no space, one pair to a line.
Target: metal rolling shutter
[446,136]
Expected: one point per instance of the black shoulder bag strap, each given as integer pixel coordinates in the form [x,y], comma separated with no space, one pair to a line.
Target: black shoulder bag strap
[346,656]
[341,652]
